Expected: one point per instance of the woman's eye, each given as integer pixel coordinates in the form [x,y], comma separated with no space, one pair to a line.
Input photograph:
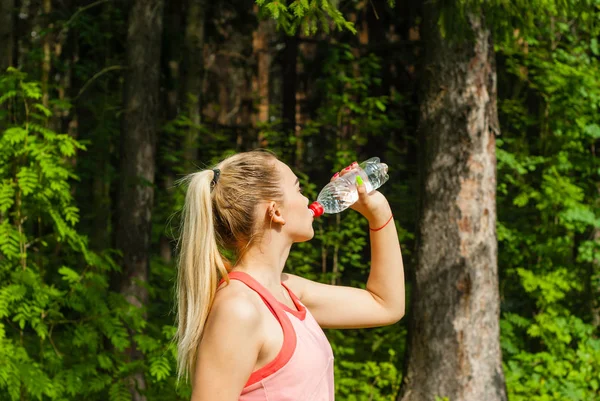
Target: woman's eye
[300,189]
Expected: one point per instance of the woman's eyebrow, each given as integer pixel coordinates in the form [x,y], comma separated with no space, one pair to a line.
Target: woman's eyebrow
[297,181]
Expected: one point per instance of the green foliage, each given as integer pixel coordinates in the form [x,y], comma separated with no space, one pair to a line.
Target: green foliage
[63,333]
[308,15]
[548,211]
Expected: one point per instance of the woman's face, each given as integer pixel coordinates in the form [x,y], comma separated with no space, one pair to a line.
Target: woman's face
[295,211]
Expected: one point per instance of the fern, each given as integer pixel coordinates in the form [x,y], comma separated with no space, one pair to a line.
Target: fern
[31,89]
[160,367]
[74,330]
[10,240]
[15,135]
[7,192]
[11,94]
[119,392]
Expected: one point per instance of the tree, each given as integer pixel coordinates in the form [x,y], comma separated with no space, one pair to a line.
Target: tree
[7,15]
[138,148]
[261,39]
[193,67]
[454,348]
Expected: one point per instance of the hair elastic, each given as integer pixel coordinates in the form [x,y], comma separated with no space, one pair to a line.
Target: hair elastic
[386,223]
[217,174]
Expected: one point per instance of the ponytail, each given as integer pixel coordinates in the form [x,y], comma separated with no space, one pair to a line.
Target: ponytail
[200,267]
[218,217]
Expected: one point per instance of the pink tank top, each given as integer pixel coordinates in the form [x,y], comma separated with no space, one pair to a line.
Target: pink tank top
[303,369]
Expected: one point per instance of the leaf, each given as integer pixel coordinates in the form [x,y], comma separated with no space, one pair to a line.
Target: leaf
[43,109]
[27,180]
[105,361]
[119,392]
[10,240]
[7,192]
[69,274]
[8,95]
[594,47]
[593,130]
[14,135]
[160,368]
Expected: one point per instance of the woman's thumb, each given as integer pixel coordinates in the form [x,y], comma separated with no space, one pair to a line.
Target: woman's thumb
[360,185]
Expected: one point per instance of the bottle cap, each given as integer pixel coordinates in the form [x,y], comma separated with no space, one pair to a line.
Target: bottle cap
[316,208]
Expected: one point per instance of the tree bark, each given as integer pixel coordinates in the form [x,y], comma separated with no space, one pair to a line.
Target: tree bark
[46,49]
[454,348]
[138,150]
[260,48]
[174,31]
[595,282]
[289,82]
[193,63]
[7,36]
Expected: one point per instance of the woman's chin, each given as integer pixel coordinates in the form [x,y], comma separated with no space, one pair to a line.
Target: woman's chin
[305,236]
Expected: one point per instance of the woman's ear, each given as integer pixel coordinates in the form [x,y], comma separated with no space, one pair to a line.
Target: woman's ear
[274,214]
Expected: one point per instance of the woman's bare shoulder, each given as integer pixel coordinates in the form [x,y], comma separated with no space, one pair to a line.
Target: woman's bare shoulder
[235,303]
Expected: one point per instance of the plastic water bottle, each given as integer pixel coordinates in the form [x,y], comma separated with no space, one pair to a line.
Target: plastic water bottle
[342,193]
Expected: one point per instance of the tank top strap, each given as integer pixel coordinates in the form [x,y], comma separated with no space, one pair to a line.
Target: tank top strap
[289,334]
[262,292]
[257,287]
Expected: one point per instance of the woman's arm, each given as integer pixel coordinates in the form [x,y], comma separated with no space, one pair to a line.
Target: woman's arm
[228,350]
[383,300]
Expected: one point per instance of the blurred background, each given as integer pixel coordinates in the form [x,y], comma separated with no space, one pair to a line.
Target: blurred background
[105,104]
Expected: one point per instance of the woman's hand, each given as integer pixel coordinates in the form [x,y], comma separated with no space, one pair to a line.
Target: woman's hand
[373,206]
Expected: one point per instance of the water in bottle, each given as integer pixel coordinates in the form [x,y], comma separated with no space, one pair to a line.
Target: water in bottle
[341,193]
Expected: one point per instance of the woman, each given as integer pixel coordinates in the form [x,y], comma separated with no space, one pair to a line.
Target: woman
[250,331]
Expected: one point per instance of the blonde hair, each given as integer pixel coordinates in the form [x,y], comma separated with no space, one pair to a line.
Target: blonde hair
[215,218]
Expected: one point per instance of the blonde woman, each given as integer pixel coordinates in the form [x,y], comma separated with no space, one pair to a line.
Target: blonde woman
[248,331]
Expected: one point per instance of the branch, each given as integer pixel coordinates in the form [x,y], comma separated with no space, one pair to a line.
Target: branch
[98,74]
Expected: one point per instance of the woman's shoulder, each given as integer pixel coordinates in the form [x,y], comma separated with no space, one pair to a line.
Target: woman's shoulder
[236,304]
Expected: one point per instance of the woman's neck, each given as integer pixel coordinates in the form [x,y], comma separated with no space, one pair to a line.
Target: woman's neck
[264,262]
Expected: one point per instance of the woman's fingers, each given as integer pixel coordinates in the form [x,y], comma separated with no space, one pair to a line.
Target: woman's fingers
[344,171]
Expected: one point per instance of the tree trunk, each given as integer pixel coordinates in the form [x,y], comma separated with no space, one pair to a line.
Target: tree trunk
[454,348]
[138,149]
[305,51]
[46,49]
[172,55]
[193,63]
[595,281]
[7,36]
[260,48]
[289,81]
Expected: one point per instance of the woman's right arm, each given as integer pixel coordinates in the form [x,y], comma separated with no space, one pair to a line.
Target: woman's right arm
[228,350]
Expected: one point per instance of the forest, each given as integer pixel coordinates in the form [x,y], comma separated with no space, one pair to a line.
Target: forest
[487,113]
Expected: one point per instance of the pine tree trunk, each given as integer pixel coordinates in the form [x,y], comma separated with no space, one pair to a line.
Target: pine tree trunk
[305,51]
[454,348]
[7,35]
[138,150]
[260,48]
[46,51]
[172,55]
[193,64]
[289,82]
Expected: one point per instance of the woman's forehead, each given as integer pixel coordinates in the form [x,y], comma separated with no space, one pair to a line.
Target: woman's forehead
[286,172]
